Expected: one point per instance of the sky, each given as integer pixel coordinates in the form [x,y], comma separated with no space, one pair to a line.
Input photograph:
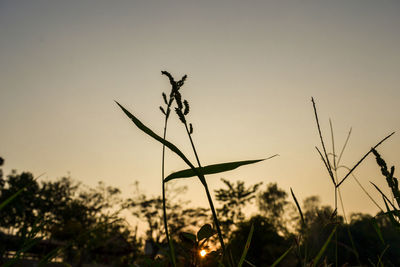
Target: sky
[252,69]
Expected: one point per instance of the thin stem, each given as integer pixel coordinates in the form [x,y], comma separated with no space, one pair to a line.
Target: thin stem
[171,250]
[336,166]
[336,190]
[322,141]
[203,180]
[344,146]
[362,188]
[362,159]
[336,222]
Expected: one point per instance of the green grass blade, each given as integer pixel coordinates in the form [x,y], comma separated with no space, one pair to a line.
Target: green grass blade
[249,263]
[49,256]
[172,254]
[281,257]
[28,245]
[298,207]
[211,169]
[324,247]
[390,213]
[247,246]
[11,198]
[377,230]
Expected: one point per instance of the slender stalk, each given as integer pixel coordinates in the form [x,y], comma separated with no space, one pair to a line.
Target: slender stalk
[362,159]
[322,142]
[203,180]
[171,249]
[336,190]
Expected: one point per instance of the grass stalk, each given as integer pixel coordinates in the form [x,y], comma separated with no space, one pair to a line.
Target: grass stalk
[171,248]
[362,159]
[209,198]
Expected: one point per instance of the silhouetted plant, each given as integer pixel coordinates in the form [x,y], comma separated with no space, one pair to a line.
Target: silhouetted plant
[393,212]
[182,110]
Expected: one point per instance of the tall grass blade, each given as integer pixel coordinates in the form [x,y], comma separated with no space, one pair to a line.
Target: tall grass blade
[362,188]
[298,207]
[28,245]
[383,195]
[329,167]
[390,213]
[211,169]
[172,252]
[344,147]
[281,257]
[11,198]
[324,247]
[377,230]
[380,263]
[246,247]
[362,159]
[249,263]
[353,245]
[49,256]
[303,223]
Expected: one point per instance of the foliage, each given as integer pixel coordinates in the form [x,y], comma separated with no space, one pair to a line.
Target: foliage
[149,210]
[266,244]
[233,199]
[272,204]
[64,220]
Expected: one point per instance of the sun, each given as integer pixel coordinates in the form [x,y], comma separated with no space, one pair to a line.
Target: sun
[203,252]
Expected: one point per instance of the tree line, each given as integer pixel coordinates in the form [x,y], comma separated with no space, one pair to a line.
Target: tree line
[77,224]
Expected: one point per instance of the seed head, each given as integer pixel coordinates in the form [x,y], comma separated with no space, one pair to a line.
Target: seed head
[162,110]
[186,110]
[180,115]
[165,98]
[190,128]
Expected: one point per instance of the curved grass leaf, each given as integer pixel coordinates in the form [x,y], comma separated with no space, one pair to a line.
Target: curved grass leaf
[49,256]
[390,214]
[281,257]
[149,132]
[324,247]
[27,246]
[247,246]
[383,195]
[11,198]
[298,208]
[362,159]
[249,263]
[211,169]
[377,230]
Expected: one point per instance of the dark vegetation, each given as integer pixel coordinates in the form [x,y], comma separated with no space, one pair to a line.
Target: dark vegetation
[64,221]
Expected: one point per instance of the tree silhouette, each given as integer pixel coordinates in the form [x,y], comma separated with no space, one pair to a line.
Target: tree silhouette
[233,199]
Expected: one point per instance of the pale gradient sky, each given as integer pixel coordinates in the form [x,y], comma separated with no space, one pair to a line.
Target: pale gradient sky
[252,68]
